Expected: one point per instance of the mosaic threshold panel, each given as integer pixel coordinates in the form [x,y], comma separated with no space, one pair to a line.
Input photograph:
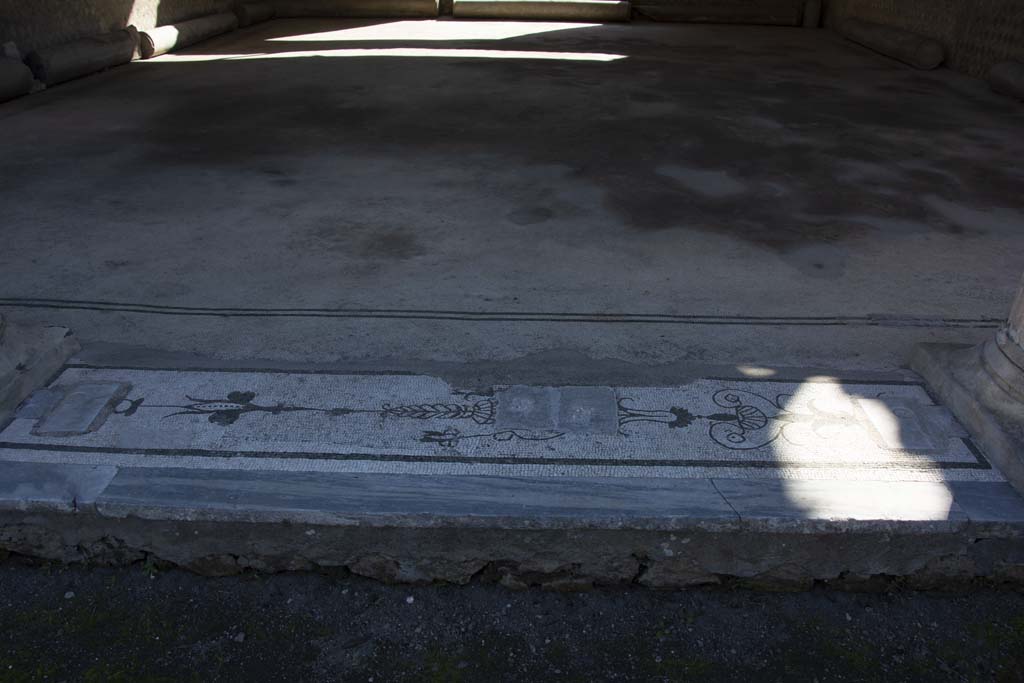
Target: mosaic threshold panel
[418,424]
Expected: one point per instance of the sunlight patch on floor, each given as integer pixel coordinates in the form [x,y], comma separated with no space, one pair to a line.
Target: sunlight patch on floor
[435,30]
[402,52]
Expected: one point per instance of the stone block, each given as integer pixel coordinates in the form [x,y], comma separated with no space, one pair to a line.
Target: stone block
[29,356]
[82,409]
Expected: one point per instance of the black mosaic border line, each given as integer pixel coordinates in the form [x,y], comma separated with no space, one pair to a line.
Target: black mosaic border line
[980,464]
[501,316]
[73,365]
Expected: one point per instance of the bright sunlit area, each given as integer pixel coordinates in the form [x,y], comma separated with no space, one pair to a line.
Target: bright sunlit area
[459,33]
[410,52]
[434,30]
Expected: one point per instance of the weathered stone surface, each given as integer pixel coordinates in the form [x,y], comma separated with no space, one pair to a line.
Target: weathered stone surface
[518,558]
[29,355]
[59,487]
[81,408]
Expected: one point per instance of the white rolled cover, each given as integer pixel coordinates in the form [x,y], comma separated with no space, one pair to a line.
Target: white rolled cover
[356,8]
[812,14]
[15,79]
[254,13]
[1008,78]
[84,56]
[163,39]
[909,48]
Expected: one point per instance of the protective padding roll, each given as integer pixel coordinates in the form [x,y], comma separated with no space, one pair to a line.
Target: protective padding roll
[163,39]
[551,10]
[15,79]
[812,14]
[254,13]
[760,12]
[1008,78]
[357,8]
[81,57]
[909,48]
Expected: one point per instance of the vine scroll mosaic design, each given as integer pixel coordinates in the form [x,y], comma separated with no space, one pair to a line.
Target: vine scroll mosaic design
[403,422]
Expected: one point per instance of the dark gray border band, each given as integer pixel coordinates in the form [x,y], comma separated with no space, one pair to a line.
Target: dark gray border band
[501,316]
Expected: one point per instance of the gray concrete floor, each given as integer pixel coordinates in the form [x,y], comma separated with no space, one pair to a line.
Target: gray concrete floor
[722,175]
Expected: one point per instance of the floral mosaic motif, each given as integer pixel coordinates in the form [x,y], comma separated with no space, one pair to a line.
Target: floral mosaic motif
[451,437]
[481,412]
[727,429]
[673,417]
[754,421]
[748,420]
[226,411]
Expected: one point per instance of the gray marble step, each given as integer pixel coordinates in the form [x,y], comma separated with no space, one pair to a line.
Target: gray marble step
[558,10]
[559,533]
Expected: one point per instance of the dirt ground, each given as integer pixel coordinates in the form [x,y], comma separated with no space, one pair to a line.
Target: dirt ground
[143,624]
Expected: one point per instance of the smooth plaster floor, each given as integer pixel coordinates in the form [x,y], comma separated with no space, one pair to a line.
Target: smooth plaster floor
[385,191]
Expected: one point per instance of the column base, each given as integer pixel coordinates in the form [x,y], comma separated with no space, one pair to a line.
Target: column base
[973,383]
[1004,360]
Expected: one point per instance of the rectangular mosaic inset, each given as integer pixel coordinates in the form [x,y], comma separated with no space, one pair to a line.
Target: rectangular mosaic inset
[419,424]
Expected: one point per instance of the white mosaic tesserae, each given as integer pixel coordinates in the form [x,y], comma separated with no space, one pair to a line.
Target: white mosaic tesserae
[414,424]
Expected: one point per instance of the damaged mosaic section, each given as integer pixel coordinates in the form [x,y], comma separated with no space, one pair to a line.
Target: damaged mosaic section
[732,428]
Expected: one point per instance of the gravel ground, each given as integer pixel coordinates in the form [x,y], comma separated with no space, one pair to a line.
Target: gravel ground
[142,624]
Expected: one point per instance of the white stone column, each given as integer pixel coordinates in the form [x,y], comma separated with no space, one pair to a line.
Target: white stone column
[1004,356]
[29,356]
[1015,324]
[984,387]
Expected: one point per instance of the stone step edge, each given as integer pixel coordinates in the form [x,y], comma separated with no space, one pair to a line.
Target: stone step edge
[416,500]
[397,528]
